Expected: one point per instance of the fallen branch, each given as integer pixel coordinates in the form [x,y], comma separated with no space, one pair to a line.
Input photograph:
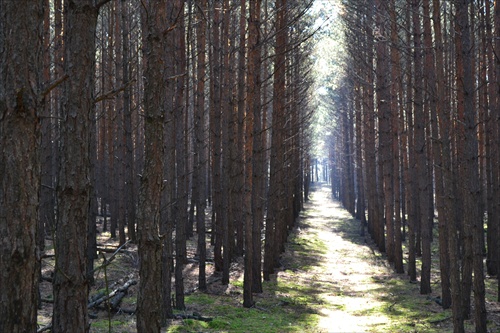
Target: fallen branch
[112,294]
[194,316]
[128,311]
[105,249]
[115,301]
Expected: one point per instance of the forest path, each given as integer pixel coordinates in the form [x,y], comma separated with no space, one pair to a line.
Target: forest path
[347,273]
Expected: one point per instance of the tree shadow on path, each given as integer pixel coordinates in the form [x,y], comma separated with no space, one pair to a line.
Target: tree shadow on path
[353,287]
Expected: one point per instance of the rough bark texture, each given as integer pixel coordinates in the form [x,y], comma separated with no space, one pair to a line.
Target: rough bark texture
[21,25]
[439,151]
[149,300]
[472,217]
[73,190]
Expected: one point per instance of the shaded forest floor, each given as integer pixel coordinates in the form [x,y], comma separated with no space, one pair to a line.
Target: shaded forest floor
[331,280]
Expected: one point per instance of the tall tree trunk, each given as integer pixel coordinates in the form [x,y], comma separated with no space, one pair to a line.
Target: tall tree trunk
[437,90]
[257,168]
[496,119]
[360,163]
[396,92]
[149,300]
[384,121]
[472,222]
[253,59]
[412,186]
[239,180]
[421,157]
[130,189]
[215,132]
[181,200]
[70,279]
[492,241]
[200,146]
[275,220]
[21,66]
[460,166]
[226,109]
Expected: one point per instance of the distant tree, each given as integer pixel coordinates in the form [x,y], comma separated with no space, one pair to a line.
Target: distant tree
[424,226]
[181,198]
[275,221]
[21,93]
[397,120]
[253,59]
[383,95]
[200,146]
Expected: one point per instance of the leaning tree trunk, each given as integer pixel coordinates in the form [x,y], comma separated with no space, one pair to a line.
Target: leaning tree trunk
[20,67]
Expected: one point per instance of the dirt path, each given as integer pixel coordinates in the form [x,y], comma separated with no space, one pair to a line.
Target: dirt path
[347,271]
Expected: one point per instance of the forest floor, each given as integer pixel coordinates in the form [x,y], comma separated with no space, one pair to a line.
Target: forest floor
[331,280]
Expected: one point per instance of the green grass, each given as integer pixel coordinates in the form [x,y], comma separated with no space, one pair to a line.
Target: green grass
[117,326]
[286,305]
[288,312]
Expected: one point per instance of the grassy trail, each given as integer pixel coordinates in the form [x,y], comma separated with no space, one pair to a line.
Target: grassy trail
[360,291]
[330,280]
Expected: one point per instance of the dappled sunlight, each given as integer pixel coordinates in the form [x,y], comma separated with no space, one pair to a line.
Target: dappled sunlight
[350,296]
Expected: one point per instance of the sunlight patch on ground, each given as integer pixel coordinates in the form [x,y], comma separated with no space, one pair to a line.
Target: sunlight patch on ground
[351,305]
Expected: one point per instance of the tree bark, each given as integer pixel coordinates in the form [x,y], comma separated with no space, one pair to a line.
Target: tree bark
[472,217]
[21,66]
[149,300]
[384,121]
[200,146]
[439,152]
[253,59]
[70,280]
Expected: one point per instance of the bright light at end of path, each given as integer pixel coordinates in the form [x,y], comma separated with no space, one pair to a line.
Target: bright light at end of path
[326,11]
[322,91]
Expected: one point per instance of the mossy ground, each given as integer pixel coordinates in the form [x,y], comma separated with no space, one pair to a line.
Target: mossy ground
[331,280]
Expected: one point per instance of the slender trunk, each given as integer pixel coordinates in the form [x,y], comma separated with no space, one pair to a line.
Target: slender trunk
[472,219]
[130,189]
[396,88]
[200,146]
[149,301]
[384,121]
[253,59]
[439,151]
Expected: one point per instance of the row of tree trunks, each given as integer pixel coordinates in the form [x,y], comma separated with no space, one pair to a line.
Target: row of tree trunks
[141,101]
[436,144]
